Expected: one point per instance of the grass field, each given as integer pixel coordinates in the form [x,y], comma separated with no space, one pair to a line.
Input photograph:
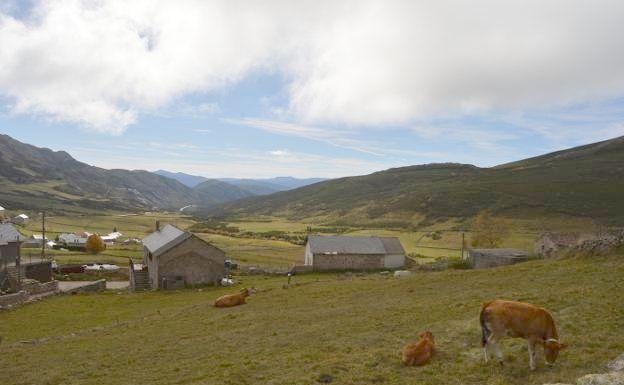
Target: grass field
[347,328]
[260,252]
[129,224]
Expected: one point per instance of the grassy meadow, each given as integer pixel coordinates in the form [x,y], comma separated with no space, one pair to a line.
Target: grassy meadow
[345,328]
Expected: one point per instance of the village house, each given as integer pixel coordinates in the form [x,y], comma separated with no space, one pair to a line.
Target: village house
[175,258]
[10,244]
[21,219]
[71,240]
[35,240]
[337,252]
[111,238]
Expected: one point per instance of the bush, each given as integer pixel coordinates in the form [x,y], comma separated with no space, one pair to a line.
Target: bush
[95,244]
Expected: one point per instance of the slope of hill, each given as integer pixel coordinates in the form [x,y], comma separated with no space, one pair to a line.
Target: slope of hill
[186,179]
[38,178]
[33,178]
[213,191]
[586,181]
[321,329]
[271,185]
[251,186]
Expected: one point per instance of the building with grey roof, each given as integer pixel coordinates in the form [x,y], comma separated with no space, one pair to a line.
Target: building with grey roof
[338,252]
[10,249]
[175,258]
[485,258]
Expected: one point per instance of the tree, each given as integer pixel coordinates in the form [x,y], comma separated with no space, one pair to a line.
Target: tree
[488,231]
[95,244]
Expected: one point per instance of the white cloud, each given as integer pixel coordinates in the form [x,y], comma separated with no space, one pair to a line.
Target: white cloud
[103,63]
[333,137]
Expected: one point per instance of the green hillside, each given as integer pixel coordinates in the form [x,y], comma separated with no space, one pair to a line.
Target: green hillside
[33,178]
[213,191]
[585,182]
[344,328]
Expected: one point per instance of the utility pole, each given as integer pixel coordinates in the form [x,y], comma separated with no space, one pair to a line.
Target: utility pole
[462,246]
[43,240]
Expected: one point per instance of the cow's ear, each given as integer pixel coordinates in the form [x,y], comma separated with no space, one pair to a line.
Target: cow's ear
[562,346]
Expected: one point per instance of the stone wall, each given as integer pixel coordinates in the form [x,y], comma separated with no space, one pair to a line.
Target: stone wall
[193,262]
[94,286]
[41,287]
[329,262]
[10,300]
[41,271]
[554,244]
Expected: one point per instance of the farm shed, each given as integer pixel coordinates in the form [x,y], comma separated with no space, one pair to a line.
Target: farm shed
[10,243]
[21,219]
[336,252]
[484,258]
[175,258]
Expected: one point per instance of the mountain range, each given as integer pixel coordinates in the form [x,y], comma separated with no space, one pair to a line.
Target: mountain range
[33,178]
[251,186]
[584,182]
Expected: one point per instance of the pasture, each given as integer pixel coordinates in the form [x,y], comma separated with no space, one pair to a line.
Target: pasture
[347,329]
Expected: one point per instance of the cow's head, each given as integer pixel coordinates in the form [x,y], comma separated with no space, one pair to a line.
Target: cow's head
[426,335]
[246,292]
[551,349]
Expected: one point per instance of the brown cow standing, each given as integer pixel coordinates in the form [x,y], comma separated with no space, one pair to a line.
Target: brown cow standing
[419,353]
[501,318]
[230,300]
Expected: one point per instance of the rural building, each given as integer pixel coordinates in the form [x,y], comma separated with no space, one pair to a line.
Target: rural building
[10,243]
[73,240]
[35,240]
[21,219]
[485,258]
[111,238]
[176,258]
[337,252]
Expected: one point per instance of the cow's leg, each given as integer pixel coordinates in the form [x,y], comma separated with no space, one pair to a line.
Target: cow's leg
[531,345]
[497,351]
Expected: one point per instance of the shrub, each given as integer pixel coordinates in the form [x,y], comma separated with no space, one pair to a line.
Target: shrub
[95,244]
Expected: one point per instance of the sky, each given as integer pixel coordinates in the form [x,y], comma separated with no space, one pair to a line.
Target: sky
[258,89]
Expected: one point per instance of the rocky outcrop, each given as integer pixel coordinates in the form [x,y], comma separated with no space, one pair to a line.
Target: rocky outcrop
[614,377]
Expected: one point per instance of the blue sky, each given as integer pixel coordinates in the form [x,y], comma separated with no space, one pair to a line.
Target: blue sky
[350,89]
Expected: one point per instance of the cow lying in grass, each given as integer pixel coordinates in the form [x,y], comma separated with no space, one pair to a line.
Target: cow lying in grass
[521,320]
[230,300]
[419,353]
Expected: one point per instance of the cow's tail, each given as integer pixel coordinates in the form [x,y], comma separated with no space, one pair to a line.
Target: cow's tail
[484,328]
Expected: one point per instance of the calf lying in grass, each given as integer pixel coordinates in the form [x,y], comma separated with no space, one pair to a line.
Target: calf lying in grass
[230,300]
[419,353]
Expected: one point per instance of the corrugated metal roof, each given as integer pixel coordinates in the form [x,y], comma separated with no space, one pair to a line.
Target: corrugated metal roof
[8,233]
[392,245]
[509,253]
[340,244]
[162,240]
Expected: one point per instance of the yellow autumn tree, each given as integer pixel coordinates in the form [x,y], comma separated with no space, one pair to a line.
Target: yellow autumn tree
[95,244]
[488,231]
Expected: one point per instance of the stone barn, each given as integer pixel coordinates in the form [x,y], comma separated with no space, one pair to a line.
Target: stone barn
[485,258]
[335,252]
[175,258]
